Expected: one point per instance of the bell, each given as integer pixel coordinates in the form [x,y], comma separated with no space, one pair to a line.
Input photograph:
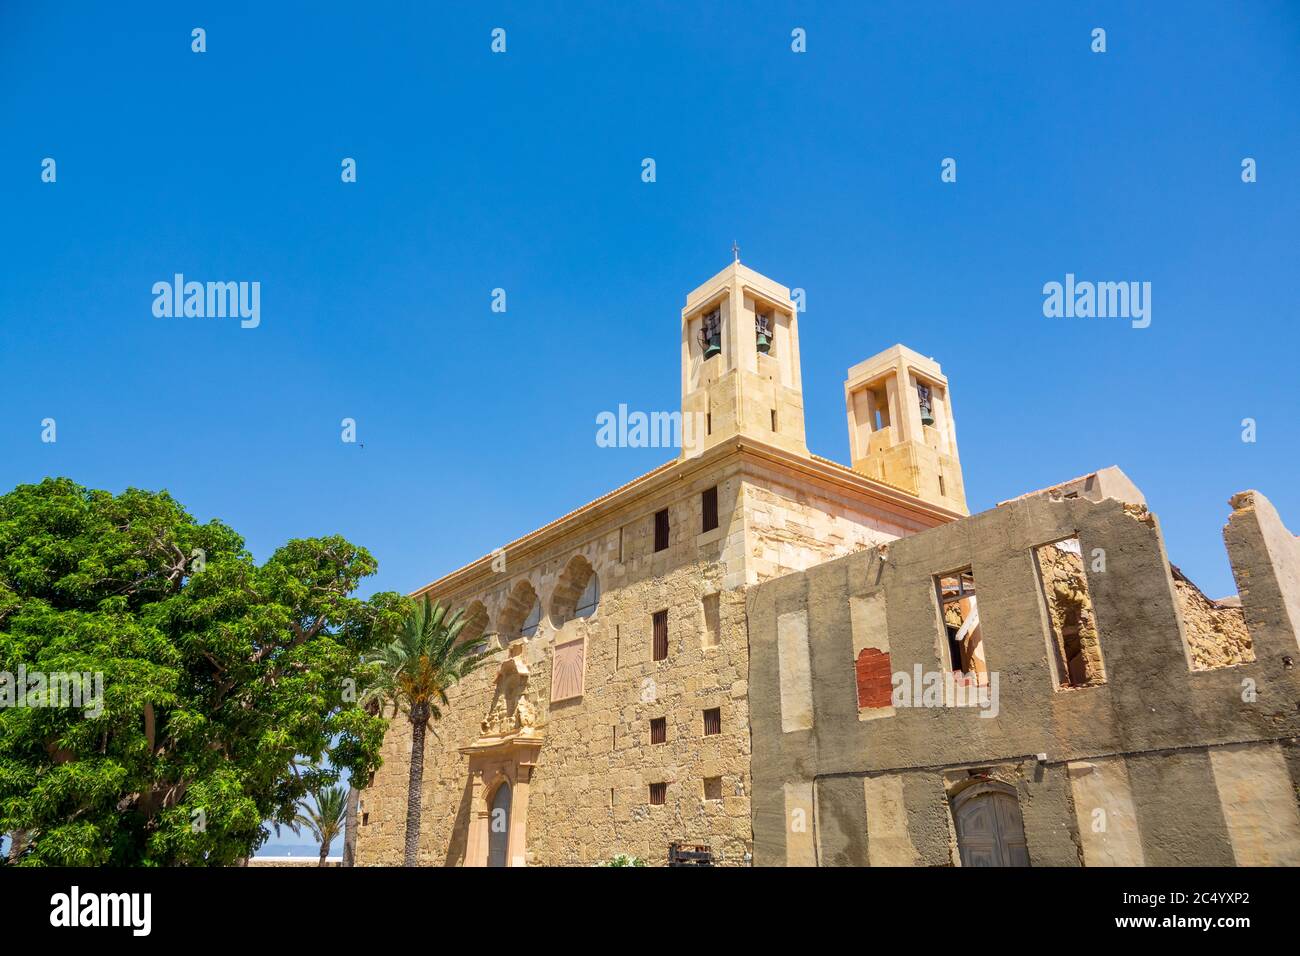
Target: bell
[712,347]
[927,417]
[764,343]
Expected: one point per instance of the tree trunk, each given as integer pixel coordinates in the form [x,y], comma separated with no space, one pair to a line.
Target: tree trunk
[350,833]
[17,840]
[324,851]
[414,787]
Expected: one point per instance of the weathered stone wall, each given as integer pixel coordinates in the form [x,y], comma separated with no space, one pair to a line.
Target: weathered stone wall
[1175,766]
[588,797]
[589,794]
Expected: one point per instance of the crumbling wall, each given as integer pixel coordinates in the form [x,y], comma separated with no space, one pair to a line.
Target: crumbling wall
[1134,761]
[1216,630]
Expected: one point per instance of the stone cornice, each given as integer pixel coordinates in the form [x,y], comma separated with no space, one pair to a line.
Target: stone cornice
[830,474]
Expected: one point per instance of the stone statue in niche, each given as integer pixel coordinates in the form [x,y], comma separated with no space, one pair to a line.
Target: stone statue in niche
[511,710]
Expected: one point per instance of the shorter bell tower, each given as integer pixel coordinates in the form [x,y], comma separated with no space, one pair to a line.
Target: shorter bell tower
[901,427]
[740,362]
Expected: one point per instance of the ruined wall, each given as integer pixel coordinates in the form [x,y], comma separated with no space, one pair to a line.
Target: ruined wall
[1216,630]
[1159,765]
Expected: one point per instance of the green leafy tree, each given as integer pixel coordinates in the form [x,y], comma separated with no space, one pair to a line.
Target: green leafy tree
[413,674]
[217,673]
[324,820]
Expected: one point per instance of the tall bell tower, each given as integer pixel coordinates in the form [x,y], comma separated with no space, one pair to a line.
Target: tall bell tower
[901,428]
[740,362]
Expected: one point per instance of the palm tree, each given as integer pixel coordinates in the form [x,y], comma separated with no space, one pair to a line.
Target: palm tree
[413,674]
[325,820]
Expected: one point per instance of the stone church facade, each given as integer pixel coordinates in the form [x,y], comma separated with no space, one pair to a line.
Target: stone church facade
[714,654]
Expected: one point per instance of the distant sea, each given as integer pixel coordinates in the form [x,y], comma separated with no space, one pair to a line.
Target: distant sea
[311,850]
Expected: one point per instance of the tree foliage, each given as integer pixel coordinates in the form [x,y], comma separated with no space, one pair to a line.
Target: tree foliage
[216,672]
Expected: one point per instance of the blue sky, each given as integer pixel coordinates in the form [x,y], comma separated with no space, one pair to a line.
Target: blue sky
[522,171]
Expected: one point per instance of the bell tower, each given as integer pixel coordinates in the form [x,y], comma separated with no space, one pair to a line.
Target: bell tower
[740,362]
[901,427]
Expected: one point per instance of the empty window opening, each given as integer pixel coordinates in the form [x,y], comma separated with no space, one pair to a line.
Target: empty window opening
[712,721]
[660,628]
[712,788]
[942,492]
[712,621]
[709,502]
[774,419]
[658,730]
[658,794]
[708,423]
[620,545]
[878,407]
[661,530]
[959,612]
[618,640]
[1076,649]
[613,738]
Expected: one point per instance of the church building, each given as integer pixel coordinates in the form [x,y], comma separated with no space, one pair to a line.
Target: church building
[754,655]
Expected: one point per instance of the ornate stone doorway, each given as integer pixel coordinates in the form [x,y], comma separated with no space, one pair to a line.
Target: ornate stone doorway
[501,763]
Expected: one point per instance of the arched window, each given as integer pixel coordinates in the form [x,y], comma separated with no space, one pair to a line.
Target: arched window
[533,619]
[589,599]
[476,622]
[521,614]
[577,592]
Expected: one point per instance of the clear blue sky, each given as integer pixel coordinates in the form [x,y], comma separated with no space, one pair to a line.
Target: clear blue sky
[522,171]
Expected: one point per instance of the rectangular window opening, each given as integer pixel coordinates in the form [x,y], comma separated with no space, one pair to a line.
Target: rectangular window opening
[660,628]
[661,530]
[658,794]
[709,501]
[658,730]
[712,721]
[1076,648]
[712,788]
[960,617]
